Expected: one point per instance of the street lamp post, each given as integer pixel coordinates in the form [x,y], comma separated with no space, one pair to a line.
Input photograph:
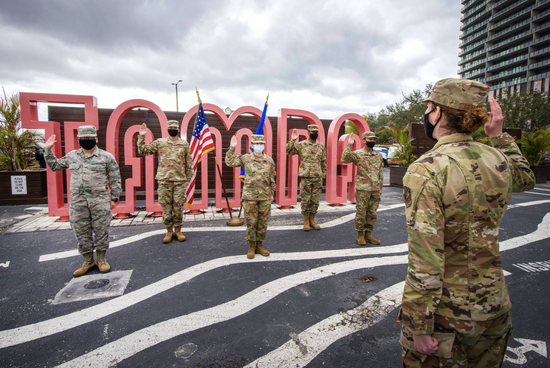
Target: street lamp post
[177,105]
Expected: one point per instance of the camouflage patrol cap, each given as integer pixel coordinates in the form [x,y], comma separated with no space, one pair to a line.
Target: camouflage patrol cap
[257,139]
[173,124]
[368,135]
[86,131]
[312,128]
[460,94]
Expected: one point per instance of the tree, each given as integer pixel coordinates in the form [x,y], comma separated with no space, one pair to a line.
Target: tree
[400,137]
[535,145]
[528,112]
[15,142]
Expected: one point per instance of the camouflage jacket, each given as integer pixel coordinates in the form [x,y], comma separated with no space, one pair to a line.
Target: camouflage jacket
[313,158]
[455,197]
[93,173]
[259,182]
[370,168]
[174,158]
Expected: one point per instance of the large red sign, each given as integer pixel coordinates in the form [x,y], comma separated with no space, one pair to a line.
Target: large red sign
[339,187]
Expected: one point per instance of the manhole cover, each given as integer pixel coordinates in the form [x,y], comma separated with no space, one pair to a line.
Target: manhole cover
[96,284]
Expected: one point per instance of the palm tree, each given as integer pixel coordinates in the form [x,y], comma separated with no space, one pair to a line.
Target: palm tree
[400,137]
[535,145]
[14,141]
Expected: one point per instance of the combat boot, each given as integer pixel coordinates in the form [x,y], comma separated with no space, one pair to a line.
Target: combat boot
[312,222]
[168,238]
[306,222]
[102,261]
[361,238]
[370,238]
[179,235]
[261,250]
[88,263]
[251,249]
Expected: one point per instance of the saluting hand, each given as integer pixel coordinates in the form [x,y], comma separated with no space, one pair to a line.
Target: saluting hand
[233,142]
[50,142]
[493,127]
[294,135]
[113,205]
[143,129]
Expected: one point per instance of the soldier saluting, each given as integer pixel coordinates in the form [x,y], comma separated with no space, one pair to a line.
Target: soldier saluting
[456,307]
[258,192]
[175,169]
[313,168]
[368,185]
[93,172]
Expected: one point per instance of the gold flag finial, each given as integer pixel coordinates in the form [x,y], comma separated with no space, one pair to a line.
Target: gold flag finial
[199,97]
[267,98]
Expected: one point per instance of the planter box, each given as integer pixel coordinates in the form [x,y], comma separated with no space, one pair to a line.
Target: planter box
[34,184]
[542,173]
[396,176]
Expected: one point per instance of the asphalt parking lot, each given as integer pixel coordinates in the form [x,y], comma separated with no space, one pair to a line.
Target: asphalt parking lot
[319,300]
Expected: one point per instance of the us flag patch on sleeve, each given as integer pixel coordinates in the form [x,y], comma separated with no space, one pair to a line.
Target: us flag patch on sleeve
[407,196]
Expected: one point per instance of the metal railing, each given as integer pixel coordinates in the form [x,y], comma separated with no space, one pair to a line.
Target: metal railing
[506,73]
[510,50]
[509,29]
[508,40]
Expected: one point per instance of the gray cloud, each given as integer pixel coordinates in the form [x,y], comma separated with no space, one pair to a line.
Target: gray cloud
[357,55]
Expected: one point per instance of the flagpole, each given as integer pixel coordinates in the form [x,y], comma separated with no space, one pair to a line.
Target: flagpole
[232,221]
[191,210]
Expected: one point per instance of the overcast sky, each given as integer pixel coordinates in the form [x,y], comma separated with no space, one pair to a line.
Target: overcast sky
[327,57]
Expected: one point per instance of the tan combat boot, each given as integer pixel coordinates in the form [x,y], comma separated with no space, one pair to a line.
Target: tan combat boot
[168,238]
[306,222]
[261,250]
[88,263]
[102,262]
[361,238]
[370,238]
[314,225]
[179,235]
[251,249]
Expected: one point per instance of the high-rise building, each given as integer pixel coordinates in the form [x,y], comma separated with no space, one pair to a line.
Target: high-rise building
[506,44]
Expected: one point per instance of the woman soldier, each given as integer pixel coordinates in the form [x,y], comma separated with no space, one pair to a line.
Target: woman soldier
[456,307]
[258,192]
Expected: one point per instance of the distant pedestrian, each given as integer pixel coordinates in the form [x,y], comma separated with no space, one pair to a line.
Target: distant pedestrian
[175,169]
[456,307]
[93,172]
[368,185]
[258,192]
[313,168]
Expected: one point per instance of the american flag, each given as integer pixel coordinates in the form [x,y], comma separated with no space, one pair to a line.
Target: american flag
[201,143]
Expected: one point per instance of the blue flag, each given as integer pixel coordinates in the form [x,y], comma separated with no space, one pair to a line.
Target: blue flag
[258,131]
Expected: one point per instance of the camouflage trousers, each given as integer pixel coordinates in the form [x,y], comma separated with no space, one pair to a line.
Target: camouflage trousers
[172,198]
[310,191]
[366,206]
[461,344]
[90,217]
[256,214]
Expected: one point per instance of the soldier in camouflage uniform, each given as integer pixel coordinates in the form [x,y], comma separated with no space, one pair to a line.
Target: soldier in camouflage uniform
[175,169]
[368,185]
[313,168]
[258,192]
[93,172]
[456,307]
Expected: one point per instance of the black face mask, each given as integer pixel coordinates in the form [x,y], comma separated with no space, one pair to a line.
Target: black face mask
[87,144]
[371,144]
[313,136]
[173,132]
[428,127]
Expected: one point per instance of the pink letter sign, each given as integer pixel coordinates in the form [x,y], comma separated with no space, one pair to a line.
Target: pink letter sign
[29,120]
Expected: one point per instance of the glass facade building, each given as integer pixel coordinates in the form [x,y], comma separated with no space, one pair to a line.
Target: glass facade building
[506,44]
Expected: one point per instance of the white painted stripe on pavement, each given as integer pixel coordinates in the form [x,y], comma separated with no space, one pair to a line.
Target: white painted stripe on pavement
[62,323]
[542,194]
[133,343]
[303,348]
[318,337]
[135,238]
[163,331]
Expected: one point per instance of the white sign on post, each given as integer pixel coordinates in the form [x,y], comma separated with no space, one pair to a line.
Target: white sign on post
[18,185]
